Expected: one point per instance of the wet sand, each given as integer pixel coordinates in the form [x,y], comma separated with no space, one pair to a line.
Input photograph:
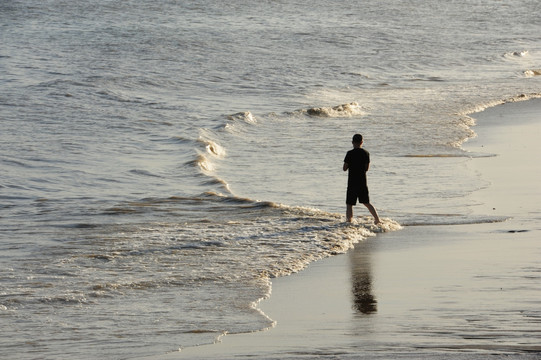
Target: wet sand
[460,292]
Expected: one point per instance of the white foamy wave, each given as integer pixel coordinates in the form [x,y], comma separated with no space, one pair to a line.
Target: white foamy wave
[533,72]
[236,122]
[483,106]
[244,116]
[208,139]
[466,121]
[262,239]
[520,53]
[213,148]
[344,110]
[203,163]
[388,225]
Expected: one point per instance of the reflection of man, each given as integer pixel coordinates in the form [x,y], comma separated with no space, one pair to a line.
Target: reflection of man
[363,299]
[357,161]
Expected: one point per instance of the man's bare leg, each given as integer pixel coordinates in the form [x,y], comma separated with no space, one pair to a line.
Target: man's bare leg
[373,212]
[349,213]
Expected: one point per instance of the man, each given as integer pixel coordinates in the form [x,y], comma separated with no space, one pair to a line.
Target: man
[357,161]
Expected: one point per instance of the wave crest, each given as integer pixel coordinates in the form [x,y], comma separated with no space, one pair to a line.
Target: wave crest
[244,116]
[520,53]
[236,122]
[532,72]
[344,110]
[202,162]
[213,147]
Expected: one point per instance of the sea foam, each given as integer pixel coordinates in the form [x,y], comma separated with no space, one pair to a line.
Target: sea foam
[344,110]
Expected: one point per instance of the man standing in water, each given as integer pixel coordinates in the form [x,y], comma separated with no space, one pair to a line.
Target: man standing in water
[357,162]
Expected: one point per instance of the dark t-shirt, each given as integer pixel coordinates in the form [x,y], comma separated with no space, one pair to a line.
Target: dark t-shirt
[357,160]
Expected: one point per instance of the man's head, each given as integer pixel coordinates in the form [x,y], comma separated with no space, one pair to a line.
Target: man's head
[357,139]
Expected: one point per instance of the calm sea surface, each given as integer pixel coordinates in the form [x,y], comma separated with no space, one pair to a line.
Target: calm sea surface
[160,160]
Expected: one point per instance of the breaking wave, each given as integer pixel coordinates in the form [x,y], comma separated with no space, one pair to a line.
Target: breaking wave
[213,147]
[202,162]
[467,121]
[344,110]
[533,72]
[236,122]
[263,238]
[245,116]
[519,53]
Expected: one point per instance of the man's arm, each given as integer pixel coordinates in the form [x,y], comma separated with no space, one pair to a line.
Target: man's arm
[346,166]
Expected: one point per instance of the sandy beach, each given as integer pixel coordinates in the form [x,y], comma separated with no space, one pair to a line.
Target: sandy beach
[451,291]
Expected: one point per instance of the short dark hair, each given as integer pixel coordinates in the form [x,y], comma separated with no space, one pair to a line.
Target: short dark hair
[357,138]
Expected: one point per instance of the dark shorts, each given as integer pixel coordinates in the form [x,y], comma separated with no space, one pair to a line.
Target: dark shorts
[357,193]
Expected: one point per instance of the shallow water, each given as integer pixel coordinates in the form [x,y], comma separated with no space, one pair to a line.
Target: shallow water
[161,160]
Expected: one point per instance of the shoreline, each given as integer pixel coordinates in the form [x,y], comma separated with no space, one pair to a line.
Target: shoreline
[509,132]
[452,291]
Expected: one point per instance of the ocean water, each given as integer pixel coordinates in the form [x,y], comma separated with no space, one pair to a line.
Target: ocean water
[162,160]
